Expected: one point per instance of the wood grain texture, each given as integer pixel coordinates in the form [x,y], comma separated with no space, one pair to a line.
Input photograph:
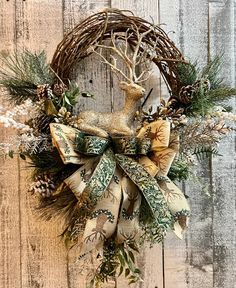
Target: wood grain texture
[188,263]
[223,168]
[39,26]
[10,229]
[31,253]
[194,43]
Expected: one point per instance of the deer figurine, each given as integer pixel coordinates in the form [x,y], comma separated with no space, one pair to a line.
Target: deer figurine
[119,123]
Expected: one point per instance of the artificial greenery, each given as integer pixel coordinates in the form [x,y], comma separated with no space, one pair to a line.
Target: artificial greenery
[221,94]
[69,97]
[204,98]
[179,170]
[22,74]
[203,153]
[187,73]
[117,257]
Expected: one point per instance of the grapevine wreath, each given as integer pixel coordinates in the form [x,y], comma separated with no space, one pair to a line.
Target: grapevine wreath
[110,176]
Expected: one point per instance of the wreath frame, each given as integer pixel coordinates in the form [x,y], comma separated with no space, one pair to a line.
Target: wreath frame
[31,79]
[97,28]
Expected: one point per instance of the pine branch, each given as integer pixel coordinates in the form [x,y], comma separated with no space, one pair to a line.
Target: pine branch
[23,72]
[212,71]
[179,171]
[221,94]
[203,153]
[62,204]
[201,103]
[187,73]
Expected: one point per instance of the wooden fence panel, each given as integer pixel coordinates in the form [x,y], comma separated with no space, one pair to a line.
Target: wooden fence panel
[32,256]
[221,30]
[10,234]
[43,261]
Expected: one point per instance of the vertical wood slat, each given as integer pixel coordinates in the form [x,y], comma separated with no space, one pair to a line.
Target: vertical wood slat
[150,260]
[10,230]
[43,262]
[222,17]
[188,263]
[94,77]
[175,254]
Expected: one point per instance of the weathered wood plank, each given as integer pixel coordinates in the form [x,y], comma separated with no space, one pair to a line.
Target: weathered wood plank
[169,13]
[174,260]
[10,229]
[94,77]
[188,263]
[150,260]
[222,17]
[90,73]
[39,26]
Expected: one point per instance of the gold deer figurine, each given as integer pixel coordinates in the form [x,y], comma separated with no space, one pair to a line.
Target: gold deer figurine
[120,123]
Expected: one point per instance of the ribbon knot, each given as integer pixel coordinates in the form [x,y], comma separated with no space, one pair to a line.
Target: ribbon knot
[115,173]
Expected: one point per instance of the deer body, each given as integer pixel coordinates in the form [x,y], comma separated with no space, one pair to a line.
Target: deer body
[119,123]
[116,123]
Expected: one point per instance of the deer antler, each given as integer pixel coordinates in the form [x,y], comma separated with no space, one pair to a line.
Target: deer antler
[141,54]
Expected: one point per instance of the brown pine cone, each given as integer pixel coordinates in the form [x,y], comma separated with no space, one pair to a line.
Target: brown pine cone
[43,185]
[203,84]
[41,123]
[58,89]
[43,92]
[186,94]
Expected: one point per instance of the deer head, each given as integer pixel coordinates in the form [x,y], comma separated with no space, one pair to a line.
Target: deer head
[132,90]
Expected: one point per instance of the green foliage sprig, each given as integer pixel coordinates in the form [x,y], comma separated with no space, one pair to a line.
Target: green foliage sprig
[179,170]
[23,72]
[118,257]
[203,99]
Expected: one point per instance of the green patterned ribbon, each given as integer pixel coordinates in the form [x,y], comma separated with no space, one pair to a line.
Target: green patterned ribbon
[90,145]
[150,189]
[94,145]
[101,176]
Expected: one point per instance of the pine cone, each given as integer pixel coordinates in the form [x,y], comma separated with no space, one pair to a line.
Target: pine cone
[203,84]
[186,94]
[58,89]
[44,92]
[43,185]
[41,123]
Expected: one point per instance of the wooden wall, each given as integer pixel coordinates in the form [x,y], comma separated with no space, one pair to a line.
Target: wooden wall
[31,253]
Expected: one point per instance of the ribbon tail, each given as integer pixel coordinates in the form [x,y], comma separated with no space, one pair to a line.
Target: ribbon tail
[63,138]
[150,190]
[103,220]
[177,204]
[128,226]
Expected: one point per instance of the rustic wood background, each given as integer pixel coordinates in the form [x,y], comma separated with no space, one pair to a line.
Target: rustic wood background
[31,253]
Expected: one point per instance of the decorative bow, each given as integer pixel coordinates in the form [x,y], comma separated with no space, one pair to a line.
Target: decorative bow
[114,175]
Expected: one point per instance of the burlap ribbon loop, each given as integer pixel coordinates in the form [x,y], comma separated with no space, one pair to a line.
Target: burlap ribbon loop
[119,197]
